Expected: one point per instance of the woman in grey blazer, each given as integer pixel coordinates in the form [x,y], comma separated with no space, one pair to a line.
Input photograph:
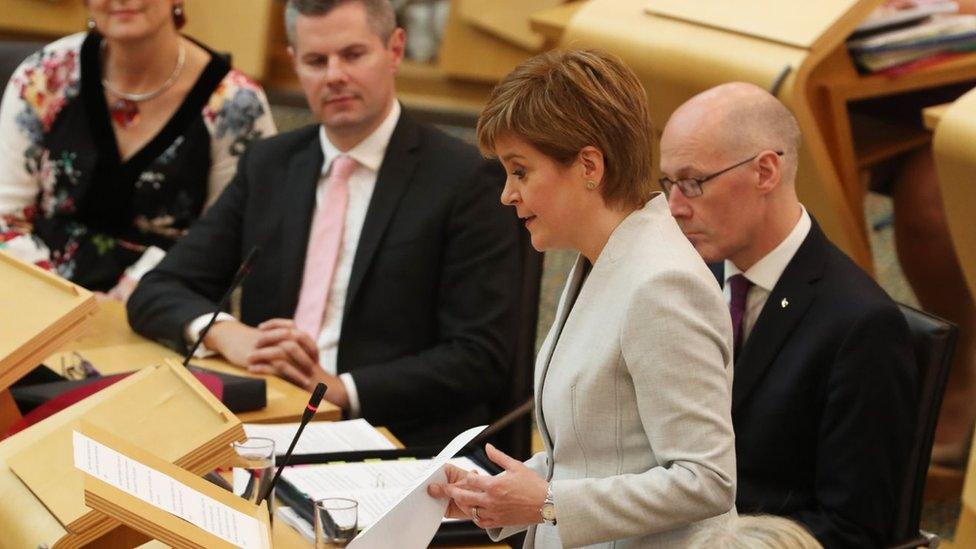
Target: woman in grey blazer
[633,382]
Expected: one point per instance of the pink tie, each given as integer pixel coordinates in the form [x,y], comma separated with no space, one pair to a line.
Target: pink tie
[323,248]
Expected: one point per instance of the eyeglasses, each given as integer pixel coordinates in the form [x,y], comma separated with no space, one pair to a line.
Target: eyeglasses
[692,186]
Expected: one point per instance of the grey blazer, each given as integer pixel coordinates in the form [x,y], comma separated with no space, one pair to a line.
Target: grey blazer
[633,401]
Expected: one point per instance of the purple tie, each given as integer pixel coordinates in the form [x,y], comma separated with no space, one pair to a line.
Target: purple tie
[737,306]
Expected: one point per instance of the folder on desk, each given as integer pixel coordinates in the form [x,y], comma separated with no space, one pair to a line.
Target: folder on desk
[161,500]
[163,410]
[42,312]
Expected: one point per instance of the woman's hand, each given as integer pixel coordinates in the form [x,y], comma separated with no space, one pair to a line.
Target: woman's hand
[454,475]
[513,497]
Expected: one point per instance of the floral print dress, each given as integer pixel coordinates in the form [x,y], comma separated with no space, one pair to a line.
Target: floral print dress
[69,203]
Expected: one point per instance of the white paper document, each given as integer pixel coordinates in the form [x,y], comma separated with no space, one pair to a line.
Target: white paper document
[166,493]
[375,485]
[321,437]
[414,517]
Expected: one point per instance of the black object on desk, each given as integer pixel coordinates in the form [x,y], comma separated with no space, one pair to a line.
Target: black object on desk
[240,393]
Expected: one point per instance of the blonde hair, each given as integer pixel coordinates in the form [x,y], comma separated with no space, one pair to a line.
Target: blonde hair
[562,101]
[754,532]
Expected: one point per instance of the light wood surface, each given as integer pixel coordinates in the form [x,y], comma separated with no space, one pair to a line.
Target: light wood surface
[151,520]
[932,115]
[237,27]
[24,520]
[552,22]
[954,148]
[42,313]
[51,19]
[507,19]
[676,59]
[114,348]
[684,48]
[469,53]
[165,410]
[769,21]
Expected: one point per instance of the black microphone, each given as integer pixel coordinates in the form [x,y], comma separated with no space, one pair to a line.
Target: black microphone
[242,273]
[310,409]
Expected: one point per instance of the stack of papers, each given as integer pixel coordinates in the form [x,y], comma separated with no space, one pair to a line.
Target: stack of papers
[392,495]
[896,45]
[322,437]
[886,17]
[375,485]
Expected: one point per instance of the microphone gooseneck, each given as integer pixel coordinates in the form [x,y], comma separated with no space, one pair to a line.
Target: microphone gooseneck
[310,409]
[239,277]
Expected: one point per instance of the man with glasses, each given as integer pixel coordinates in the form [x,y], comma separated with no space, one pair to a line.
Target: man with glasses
[389,270]
[823,397]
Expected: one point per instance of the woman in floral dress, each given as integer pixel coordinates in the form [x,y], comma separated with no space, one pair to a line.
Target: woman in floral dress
[113,141]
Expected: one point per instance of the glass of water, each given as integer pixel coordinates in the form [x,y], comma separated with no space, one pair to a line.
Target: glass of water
[336,522]
[253,468]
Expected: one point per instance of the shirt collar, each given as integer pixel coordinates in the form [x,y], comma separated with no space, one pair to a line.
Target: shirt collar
[370,151]
[765,273]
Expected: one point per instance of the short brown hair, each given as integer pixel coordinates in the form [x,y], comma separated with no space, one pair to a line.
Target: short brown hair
[380,13]
[562,101]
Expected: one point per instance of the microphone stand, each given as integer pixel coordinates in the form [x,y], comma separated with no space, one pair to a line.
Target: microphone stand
[310,409]
[239,277]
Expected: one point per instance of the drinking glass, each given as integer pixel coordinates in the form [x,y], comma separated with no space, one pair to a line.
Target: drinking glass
[253,468]
[336,522]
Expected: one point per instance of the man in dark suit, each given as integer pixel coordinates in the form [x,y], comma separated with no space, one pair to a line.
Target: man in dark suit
[389,269]
[823,396]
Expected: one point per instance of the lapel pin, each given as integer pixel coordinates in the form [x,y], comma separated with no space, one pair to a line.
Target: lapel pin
[784,303]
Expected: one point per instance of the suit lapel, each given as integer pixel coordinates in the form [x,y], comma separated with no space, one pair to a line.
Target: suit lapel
[393,179]
[785,307]
[302,180]
[545,355]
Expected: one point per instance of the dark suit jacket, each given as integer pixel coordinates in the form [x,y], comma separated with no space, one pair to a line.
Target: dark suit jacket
[429,320]
[823,401]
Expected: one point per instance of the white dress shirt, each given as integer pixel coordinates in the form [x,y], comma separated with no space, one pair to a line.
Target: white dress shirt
[369,156]
[765,273]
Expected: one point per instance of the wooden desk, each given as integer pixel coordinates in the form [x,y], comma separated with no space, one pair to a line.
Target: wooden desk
[552,22]
[684,48]
[113,348]
[286,537]
[238,27]
[932,115]
[954,149]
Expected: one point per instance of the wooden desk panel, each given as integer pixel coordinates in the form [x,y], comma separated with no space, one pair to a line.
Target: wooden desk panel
[114,348]
[688,50]
[676,59]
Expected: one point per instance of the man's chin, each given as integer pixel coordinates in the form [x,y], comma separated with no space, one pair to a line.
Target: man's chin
[341,120]
[708,253]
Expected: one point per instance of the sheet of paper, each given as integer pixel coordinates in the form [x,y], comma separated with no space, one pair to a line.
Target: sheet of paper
[415,516]
[377,486]
[300,525]
[321,437]
[166,493]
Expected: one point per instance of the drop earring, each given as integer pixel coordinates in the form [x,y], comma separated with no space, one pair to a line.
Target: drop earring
[179,17]
[91,23]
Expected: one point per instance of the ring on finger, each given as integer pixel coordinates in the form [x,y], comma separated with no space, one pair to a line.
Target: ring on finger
[474,514]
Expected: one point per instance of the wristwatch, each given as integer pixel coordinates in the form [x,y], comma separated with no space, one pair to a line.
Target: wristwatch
[548,509]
